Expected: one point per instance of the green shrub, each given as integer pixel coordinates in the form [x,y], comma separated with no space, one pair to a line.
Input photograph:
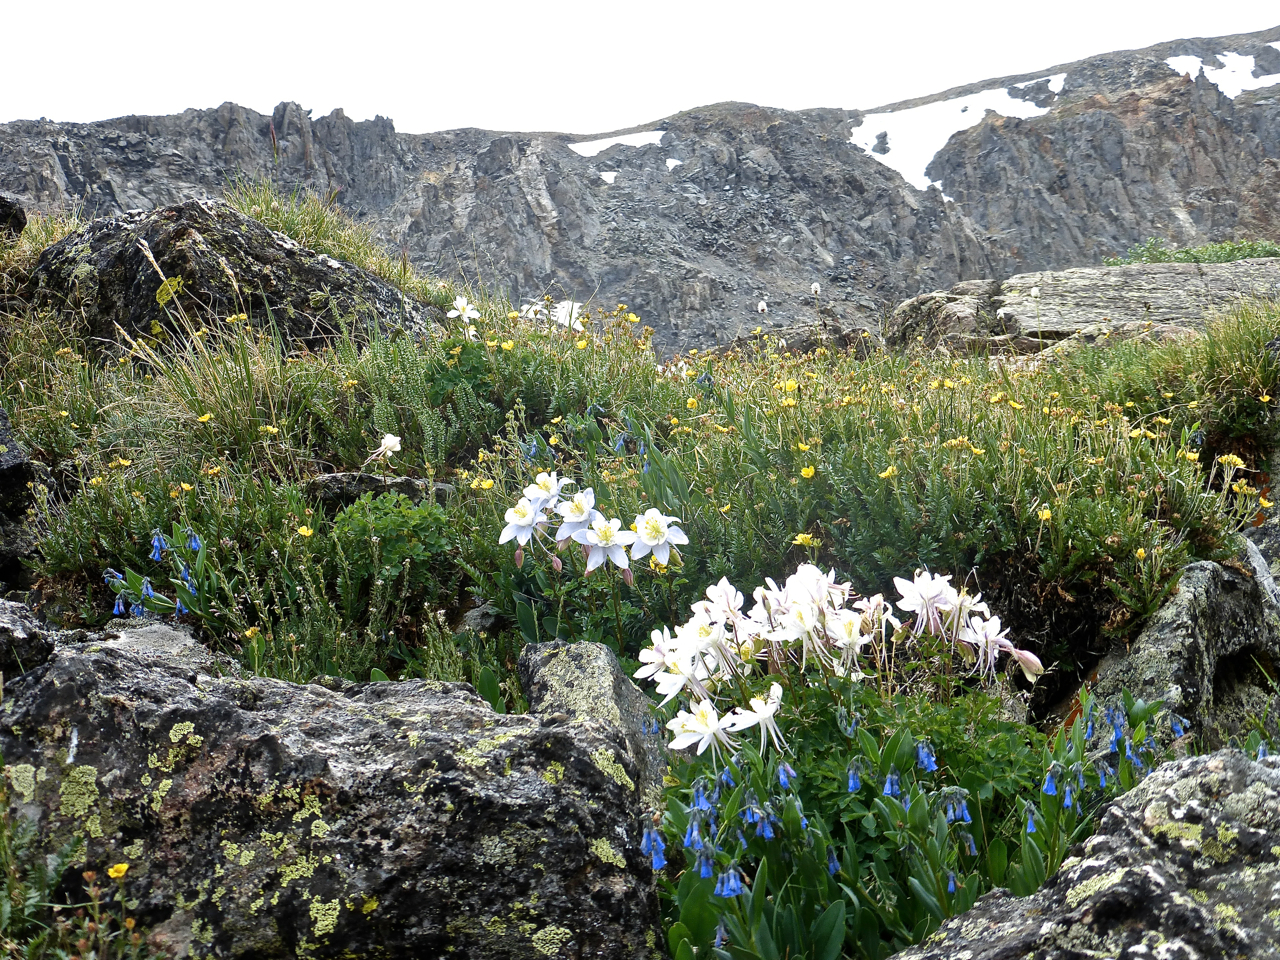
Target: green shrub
[1155,251]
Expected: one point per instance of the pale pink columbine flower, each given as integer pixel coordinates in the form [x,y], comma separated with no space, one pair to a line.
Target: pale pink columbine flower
[723,603]
[654,656]
[762,713]
[985,639]
[521,521]
[1031,666]
[703,726]
[877,614]
[390,444]
[966,606]
[657,533]
[929,597]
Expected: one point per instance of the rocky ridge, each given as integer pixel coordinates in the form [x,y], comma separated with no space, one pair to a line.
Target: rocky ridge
[738,203]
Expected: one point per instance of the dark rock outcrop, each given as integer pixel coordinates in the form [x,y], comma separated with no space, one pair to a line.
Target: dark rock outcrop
[215,263]
[1206,650]
[333,491]
[13,218]
[736,202]
[1184,865]
[23,645]
[17,539]
[584,682]
[263,819]
[1030,311]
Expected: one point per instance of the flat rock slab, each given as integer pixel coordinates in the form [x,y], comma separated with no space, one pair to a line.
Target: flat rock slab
[1183,866]
[1031,311]
[262,819]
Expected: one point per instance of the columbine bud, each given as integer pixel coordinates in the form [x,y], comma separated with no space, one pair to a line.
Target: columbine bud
[519,556]
[628,577]
[556,564]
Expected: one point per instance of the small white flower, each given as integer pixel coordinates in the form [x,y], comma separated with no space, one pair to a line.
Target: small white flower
[762,307]
[607,541]
[816,288]
[462,310]
[390,444]
[928,597]
[658,534]
[545,488]
[1035,293]
[521,519]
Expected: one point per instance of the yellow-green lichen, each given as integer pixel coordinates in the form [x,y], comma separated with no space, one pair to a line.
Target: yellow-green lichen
[1199,896]
[79,791]
[134,850]
[496,926]
[159,793]
[23,778]
[478,755]
[1096,884]
[1188,834]
[93,826]
[1220,848]
[1225,913]
[602,849]
[495,851]
[370,905]
[554,772]
[302,867]
[550,941]
[180,730]
[608,764]
[319,828]
[310,808]
[324,916]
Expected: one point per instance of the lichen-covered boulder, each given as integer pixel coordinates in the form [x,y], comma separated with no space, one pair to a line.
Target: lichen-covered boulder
[13,217]
[17,540]
[216,263]
[1205,649]
[585,683]
[965,312]
[1184,866]
[262,819]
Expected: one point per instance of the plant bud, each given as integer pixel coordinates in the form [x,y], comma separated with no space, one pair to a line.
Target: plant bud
[519,556]
[628,577]
[556,564]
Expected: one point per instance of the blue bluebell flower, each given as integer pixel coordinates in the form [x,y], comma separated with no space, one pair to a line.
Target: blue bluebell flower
[109,575]
[186,573]
[659,858]
[847,722]
[892,784]
[179,608]
[1031,819]
[833,865]
[785,775]
[764,828]
[855,776]
[1263,752]
[951,882]
[1050,785]
[700,801]
[692,836]
[964,811]
[193,540]
[147,592]
[721,934]
[118,610]
[969,844]
[1179,725]
[1066,796]
[1102,775]
[706,866]
[925,758]
[1088,730]
[137,610]
[726,777]
[157,545]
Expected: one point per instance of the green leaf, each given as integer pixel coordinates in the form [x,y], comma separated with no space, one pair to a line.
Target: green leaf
[997,861]
[528,622]
[377,676]
[487,687]
[827,935]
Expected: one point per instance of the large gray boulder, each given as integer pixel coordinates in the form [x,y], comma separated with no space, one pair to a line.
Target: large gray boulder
[13,218]
[23,644]
[222,264]
[584,683]
[263,819]
[1205,651]
[1184,866]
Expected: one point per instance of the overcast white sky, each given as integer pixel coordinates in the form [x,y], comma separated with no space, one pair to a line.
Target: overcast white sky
[563,65]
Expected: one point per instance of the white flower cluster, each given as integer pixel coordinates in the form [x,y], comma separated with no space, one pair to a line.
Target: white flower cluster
[809,618]
[582,523]
[565,313]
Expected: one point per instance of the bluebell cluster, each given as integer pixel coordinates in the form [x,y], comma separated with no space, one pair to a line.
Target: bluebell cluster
[925,758]
[652,845]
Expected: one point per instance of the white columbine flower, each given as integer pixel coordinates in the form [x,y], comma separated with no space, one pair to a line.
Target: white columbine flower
[606,540]
[723,603]
[928,597]
[521,519]
[566,314]
[390,444]
[579,512]
[545,488]
[534,310]
[658,534]
[654,657]
[463,311]
[762,712]
[703,726]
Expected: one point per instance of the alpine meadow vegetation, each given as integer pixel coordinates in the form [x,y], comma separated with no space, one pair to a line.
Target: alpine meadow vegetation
[847,582]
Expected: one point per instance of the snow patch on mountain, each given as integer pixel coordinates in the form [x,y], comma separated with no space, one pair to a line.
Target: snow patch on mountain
[589,148]
[1233,78]
[914,135]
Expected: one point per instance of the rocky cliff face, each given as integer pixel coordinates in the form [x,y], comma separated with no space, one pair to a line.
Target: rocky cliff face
[722,206]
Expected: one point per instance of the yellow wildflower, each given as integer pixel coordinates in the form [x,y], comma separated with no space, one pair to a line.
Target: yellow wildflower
[513,315]
[806,540]
[252,632]
[804,447]
[508,344]
[1045,515]
[187,487]
[96,482]
[1230,460]
[692,403]
[890,471]
[118,871]
[581,344]
[268,429]
[1015,405]
[808,472]
[1141,554]
[205,417]
[305,531]
[553,439]
[1264,503]
[348,384]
